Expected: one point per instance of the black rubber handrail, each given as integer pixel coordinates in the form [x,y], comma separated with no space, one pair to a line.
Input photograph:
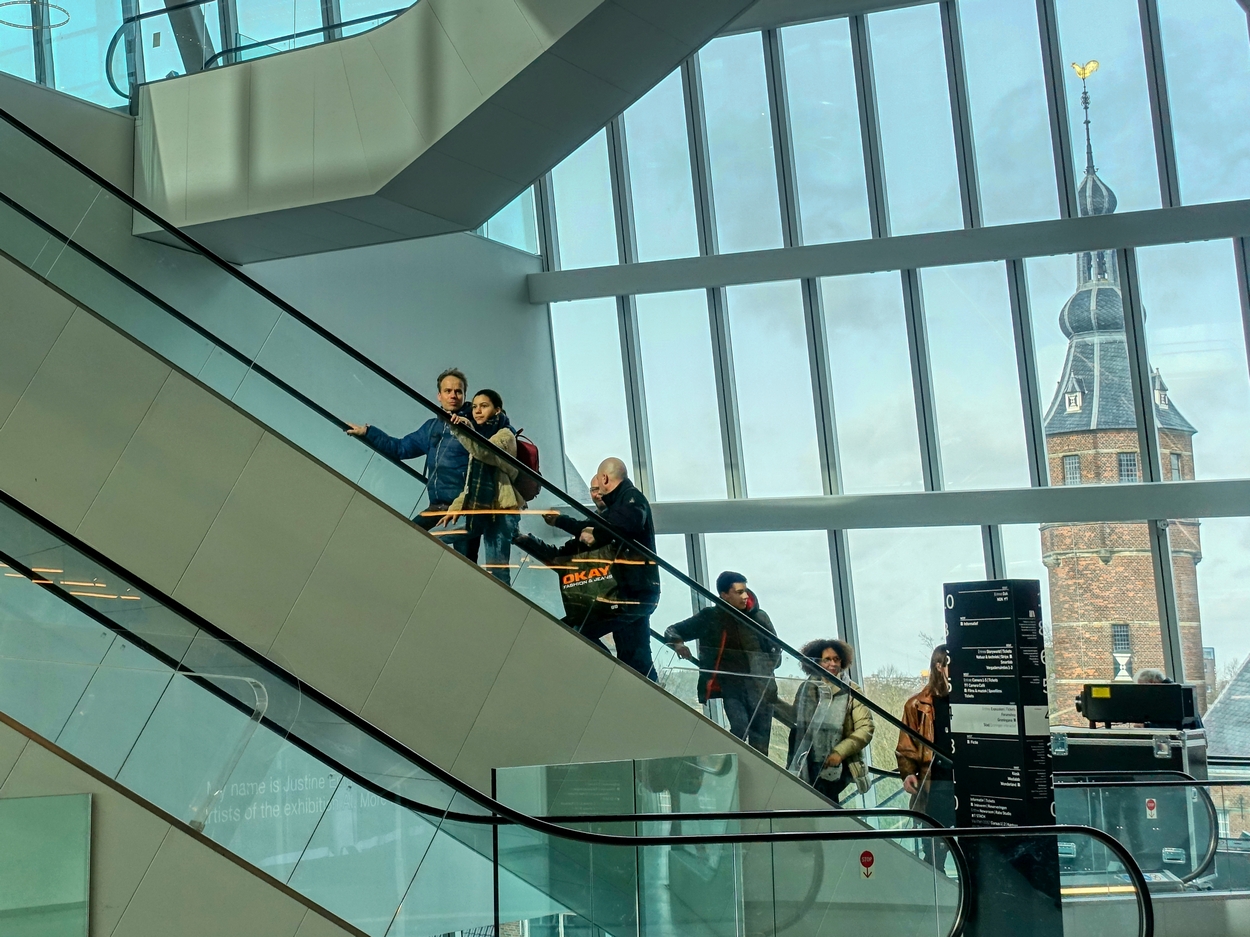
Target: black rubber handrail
[808,665]
[149,14]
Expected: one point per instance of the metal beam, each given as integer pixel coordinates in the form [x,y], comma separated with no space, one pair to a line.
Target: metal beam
[773,14]
[961,115]
[869,127]
[1149,465]
[1062,504]
[627,308]
[992,550]
[1026,367]
[1160,108]
[41,40]
[1241,252]
[1002,242]
[1165,596]
[922,381]
[844,596]
[1055,73]
[331,16]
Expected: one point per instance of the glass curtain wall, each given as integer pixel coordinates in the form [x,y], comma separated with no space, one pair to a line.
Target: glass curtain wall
[1040,364]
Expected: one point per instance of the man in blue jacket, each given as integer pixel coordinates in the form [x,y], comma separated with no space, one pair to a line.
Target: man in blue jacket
[446,461]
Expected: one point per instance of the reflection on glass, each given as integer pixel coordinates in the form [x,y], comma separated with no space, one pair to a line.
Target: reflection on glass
[898,576]
[268,23]
[592,383]
[1198,350]
[45,871]
[774,390]
[683,416]
[972,353]
[913,103]
[515,224]
[1207,57]
[17,56]
[828,154]
[1010,120]
[78,47]
[1222,593]
[740,144]
[659,173]
[1121,128]
[584,215]
[870,369]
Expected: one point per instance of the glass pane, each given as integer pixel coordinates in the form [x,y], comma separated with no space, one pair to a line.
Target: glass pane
[898,576]
[1220,603]
[740,144]
[1010,119]
[1022,549]
[774,390]
[271,23]
[972,354]
[1082,365]
[17,54]
[789,572]
[683,416]
[1207,57]
[592,384]
[585,223]
[1101,582]
[1198,350]
[45,869]
[515,224]
[870,369]
[913,104]
[824,119]
[659,173]
[1121,128]
[78,48]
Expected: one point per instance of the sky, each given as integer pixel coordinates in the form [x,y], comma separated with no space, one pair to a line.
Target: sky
[1193,320]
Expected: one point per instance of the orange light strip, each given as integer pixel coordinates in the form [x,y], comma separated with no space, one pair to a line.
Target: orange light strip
[39,569]
[94,595]
[89,585]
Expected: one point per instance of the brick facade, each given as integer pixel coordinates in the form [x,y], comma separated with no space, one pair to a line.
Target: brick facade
[1102,575]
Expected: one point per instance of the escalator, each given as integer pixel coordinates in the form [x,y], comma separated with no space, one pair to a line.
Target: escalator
[188,424]
[156,703]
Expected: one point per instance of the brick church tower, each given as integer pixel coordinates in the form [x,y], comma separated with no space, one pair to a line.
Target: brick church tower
[1102,588]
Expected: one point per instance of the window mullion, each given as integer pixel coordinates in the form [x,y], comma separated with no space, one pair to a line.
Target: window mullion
[1160,108]
[1139,367]
[1241,253]
[1026,367]
[992,549]
[41,39]
[961,115]
[922,381]
[331,16]
[1057,104]
[869,127]
[844,597]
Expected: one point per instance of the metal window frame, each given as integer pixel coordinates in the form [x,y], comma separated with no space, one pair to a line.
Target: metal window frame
[1008,244]
[41,44]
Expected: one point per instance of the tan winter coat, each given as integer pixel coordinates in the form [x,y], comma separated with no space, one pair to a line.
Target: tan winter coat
[505,494]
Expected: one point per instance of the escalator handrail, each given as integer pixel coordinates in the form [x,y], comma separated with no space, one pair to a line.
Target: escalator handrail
[744,620]
[1213,817]
[552,826]
[149,14]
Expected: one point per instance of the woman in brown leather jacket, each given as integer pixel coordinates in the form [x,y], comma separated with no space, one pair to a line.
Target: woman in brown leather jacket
[928,713]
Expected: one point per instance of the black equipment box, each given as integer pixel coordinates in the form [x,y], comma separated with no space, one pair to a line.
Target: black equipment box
[1157,705]
[1129,751]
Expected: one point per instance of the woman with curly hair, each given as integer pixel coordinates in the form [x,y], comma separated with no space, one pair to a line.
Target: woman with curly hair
[829,728]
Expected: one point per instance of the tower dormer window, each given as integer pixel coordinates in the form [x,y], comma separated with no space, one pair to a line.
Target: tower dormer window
[1161,398]
[1072,401]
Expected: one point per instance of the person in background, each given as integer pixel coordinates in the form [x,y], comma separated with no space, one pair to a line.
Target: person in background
[929,782]
[825,741]
[489,502]
[446,460]
[736,662]
[1151,675]
[626,509]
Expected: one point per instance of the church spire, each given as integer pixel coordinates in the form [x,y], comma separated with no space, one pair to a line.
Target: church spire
[1083,72]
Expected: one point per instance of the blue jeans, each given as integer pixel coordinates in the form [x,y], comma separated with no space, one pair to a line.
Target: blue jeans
[495,534]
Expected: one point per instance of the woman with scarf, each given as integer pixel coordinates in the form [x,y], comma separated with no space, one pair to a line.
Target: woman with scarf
[829,728]
[490,504]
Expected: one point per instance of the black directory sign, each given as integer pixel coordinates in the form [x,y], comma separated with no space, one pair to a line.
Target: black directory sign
[1000,736]
[999,706]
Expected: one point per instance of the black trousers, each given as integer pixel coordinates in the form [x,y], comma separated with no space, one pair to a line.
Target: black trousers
[632,636]
[750,715]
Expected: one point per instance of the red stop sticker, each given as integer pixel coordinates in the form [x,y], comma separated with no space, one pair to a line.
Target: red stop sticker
[1150,803]
[866,859]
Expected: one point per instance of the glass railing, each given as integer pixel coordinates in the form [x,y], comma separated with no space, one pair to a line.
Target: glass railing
[1185,834]
[73,229]
[193,36]
[104,668]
